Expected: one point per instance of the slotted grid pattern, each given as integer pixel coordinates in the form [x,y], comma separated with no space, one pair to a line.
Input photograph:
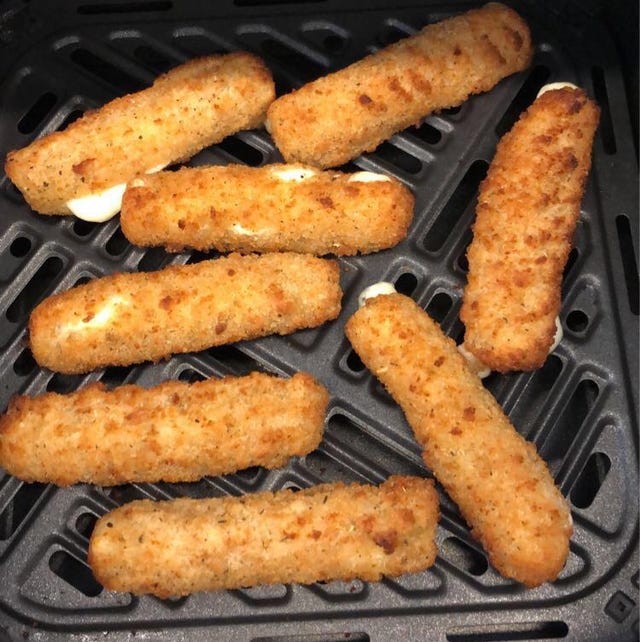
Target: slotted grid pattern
[573,408]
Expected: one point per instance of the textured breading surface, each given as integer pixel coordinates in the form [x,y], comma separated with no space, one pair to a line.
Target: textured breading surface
[527,211]
[172,432]
[129,318]
[502,486]
[192,106]
[265,209]
[331,531]
[338,116]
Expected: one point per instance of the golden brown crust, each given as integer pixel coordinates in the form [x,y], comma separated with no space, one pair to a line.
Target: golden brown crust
[327,532]
[502,486]
[333,119]
[527,211]
[246,209]
[130,318]
[192,106]
[173,432]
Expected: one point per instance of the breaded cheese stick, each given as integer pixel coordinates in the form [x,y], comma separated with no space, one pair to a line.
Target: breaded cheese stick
[173,432]
[83,169]
[528,208]
[129,318]
[502,486]
[336,117]
[331,531]
[266,209]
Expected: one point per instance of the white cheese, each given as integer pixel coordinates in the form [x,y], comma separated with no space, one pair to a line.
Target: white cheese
[555,85]
[475,365]
[367,177]
[101,206]
[100,318]
[293,174]
[382,287]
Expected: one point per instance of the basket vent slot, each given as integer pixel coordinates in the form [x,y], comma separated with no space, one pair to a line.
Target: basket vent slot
[629,264]
[85,524]
[37,113]
[242,151]
[459,201]
[571,420]
[607,134]
[124,7]
[20,247]
[591,478]
[527,94]
[19,508]
[463,556]
[398,158]
[25,363]
[35,289]
[507,633]
[105,70]
[439,306]
[63,383]
[406,283]
[74,572]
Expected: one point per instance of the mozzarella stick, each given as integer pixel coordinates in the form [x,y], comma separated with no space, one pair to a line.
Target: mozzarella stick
[336,117]
[266,209]
[173,432]
[328,532]
[528,208]
[502,486]
[129,318]
[83,170]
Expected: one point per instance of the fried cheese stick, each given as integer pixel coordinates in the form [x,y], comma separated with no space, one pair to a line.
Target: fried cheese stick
[173,432]
[129,318]
[502,486]
[336,117]
[331,531]
[528,208]
[186,109]
[266,209]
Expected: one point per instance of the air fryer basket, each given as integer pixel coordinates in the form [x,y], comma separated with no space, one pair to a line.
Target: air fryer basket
[58,59]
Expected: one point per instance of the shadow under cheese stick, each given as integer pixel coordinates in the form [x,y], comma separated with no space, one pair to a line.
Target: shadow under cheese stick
[327,532]
[129,318]
[502,486]
[173,432]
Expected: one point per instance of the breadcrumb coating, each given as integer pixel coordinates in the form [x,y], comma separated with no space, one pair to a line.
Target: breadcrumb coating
[528,208]
[173,432]
[190,107]
[502,486]
[129,318]
[266,209]
[336,117]
[327,532]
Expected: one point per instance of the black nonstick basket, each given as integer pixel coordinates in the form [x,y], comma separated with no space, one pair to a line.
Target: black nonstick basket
[59,59]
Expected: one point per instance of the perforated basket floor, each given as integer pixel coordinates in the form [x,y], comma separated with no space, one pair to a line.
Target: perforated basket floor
[580,408]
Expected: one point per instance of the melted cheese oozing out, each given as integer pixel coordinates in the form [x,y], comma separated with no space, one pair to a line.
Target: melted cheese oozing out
[382,287]
[100,318]
[104,205]
[293,174]
[555,85]
[557,337]
[367,177]
[483,370]
[475,365]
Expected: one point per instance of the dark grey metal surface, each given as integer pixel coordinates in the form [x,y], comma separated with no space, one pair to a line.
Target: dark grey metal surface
[580,408]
